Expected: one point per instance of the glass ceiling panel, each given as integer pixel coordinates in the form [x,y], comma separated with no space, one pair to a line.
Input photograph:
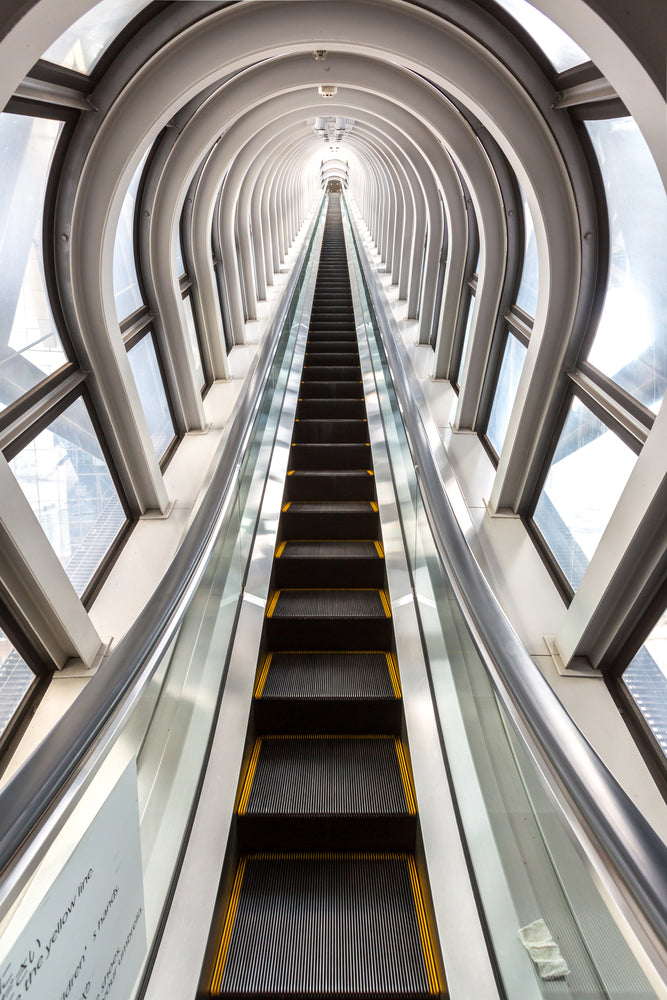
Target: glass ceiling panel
[82,45]
[558,47]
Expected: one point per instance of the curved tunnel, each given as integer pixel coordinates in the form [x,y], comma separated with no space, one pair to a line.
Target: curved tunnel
[503,165]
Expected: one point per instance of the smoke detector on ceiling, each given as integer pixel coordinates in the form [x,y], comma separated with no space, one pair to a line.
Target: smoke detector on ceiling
[327,92]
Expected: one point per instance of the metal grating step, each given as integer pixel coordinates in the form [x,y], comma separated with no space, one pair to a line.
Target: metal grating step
[329,549]
[328,431]
[330,506]
[345,675]
[331,390]
[325,926]
[338,603]
[326,776]
[328,484]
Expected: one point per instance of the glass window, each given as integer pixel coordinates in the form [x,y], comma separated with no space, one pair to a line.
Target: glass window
[559,48]
[127,293]
[466,337]
[180,263]
[67,482]
[587,475]
[16,679]
[194,342]
[645,677]
[526,297]
[631,342]
[81,46]
[146,370]
[503,401]
[30,348]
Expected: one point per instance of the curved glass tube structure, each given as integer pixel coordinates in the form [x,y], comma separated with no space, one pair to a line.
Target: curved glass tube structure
[502,168]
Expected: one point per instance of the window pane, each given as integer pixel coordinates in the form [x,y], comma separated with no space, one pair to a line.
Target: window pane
[127,294]
[194,343]
[16,679]
[631,342]
[559,48]
[587,475]
[503,401]
[81,46]
[67,482]
[466,337]
[147,375]
[30,348]
[530,275]
[180,264]
[646,679]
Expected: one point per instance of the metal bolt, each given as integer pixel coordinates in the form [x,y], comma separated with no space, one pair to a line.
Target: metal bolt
[588,237]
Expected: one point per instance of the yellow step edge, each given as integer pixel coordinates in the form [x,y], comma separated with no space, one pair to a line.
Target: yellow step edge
[374,506]
[216,980]
[405,774]
[261,679]
[280,549]
[286,506]
[427,947]
[271,607]
[380,550]
[393,674]
[250,774]
[385,603]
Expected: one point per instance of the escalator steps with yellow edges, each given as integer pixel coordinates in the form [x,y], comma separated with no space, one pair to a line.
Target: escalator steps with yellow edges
[325,926]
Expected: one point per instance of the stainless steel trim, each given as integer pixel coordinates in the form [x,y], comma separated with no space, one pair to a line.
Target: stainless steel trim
[629,856]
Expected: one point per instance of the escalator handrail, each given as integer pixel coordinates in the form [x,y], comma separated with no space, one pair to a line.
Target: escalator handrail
[628,843]
[30,792]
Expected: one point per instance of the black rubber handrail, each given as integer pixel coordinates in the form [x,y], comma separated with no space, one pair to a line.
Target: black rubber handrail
[629,845]
[29,794]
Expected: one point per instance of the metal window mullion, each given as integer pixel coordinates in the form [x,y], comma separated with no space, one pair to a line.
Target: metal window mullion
[158,217]
[633,433]
[35,586]
[38,413]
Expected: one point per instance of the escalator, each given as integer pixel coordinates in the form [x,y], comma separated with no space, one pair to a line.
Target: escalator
[327,898]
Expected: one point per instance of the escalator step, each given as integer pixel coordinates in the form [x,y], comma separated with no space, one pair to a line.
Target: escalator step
[327,775]
[329,347]
[306,563]
[315,389]
[338,507]
[331,409]
[327,793]
[330,549]
[334,373]
[330,619]
[324,519]
[329,926]
[336,358]
[329,603]
[330,484]
[337,455]
[343,676]
[330,431]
